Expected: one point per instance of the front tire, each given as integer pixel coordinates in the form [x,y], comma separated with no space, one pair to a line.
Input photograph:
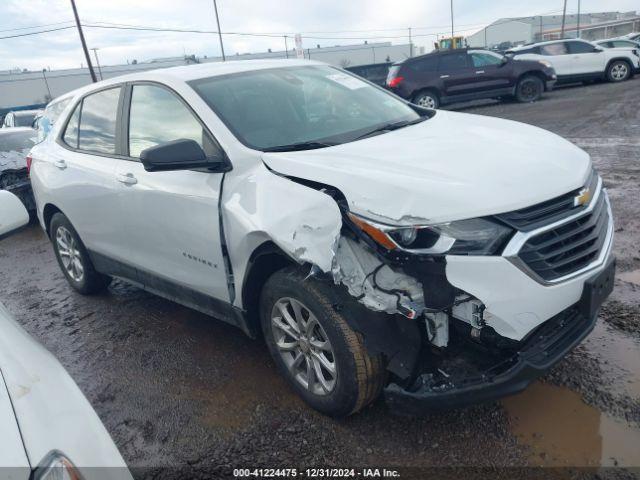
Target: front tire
[74,259]
[529,89]
[427,99]
[618,71]
[313,346]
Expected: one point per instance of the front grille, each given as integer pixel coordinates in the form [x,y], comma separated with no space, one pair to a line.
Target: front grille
[570,247]
[530,218]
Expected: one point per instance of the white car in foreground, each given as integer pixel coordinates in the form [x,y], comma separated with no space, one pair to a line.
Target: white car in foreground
[351,229]
[579,60]
[48,428]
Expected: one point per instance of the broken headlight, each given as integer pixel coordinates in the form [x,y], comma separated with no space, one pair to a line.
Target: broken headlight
[476,236]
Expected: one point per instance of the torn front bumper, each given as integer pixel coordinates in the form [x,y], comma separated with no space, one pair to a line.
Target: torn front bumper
[488,380]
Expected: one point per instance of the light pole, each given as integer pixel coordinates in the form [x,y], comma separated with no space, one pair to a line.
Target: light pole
[84,44]
[410,44]
[46,83]
[452,24]
[578,25]
[215,8]
[564,16]
[286,47]
[95,53]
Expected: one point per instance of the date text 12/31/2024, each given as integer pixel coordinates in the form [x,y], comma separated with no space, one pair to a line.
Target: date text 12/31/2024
[315,473]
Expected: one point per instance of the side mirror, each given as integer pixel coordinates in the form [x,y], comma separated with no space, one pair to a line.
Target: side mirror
[180,154]
[598,49]
[504,60]
[13,214]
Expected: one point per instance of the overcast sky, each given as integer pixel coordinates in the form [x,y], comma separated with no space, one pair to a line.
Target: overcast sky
[344,21]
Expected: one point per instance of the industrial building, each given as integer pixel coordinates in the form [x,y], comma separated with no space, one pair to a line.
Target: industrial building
[29,88]
[590,26]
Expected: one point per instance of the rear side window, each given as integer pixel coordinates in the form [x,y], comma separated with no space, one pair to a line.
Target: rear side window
[98,122]
[429,64]
[580,47]
[158,116]
[71,133]
[454,61]
[554,49]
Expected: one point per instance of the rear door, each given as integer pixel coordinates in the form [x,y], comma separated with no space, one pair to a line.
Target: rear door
[80,168]
[456,73]
[171,217]
[491,73]
[558,54]
[586,58]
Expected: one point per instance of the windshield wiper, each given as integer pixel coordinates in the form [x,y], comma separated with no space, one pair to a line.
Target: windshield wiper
[298,146]
[388,127]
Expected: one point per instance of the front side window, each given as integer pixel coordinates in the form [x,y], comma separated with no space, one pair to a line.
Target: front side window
[622,43]
[455,61]
[581,47]
[280,107]
[482,59]
[157,116]
[24,120]
[70,136]
[98,122]
[552,49]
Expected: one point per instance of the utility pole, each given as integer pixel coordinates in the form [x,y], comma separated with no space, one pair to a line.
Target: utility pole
[410,44]
[578,26]
[46,83]
[84,44]
[215,8]
[286,47]
[95,53]
[452,24]
[564,16]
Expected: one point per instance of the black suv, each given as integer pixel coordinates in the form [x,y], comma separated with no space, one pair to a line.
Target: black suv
[460,75]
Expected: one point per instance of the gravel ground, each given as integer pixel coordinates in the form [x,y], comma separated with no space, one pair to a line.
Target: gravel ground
[178,390]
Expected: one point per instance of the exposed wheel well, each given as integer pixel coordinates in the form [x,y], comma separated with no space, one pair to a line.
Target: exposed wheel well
[267,259]
[619,59]
[424,90]
[533,73]
[49,211]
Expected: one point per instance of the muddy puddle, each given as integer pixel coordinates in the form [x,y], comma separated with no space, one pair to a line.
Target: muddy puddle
[631,277]
[562,430]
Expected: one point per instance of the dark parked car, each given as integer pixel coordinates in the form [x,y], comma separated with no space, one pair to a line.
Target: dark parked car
[460,75]
[374,72]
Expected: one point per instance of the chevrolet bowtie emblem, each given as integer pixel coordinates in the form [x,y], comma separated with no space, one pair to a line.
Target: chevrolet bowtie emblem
[583,198]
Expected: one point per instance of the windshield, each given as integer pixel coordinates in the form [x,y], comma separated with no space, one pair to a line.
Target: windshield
[299,105]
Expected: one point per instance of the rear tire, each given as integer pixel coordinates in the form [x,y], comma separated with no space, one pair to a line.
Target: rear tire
[311,329]
[618,71]
[529,89]
[427,99]
[74,259]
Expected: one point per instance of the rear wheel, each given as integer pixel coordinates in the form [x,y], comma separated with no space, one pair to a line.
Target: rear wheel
[618,71]
[427,99]
[73,257]
[529,89]
[314,348]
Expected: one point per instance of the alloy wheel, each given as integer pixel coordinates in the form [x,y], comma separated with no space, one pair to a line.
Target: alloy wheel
[69,254]
[304,346]
[619,71]
[529,90]
[427,101]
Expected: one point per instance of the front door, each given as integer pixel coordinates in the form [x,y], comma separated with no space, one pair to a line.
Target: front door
[171,217]
[456,73]
[560,57]
[490,71]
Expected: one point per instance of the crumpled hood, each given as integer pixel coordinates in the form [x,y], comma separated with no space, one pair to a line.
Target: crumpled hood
[450,167]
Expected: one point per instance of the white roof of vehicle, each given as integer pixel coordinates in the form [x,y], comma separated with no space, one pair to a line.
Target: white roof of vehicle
[548,42]
[187,73]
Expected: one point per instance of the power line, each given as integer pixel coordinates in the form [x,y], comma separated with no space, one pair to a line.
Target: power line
[37,33]
[35,26]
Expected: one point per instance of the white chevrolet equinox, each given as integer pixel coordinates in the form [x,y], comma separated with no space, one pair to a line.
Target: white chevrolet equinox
[443,258]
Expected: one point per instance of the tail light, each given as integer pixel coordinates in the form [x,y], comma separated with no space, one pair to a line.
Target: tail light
[395,81]
[29,160]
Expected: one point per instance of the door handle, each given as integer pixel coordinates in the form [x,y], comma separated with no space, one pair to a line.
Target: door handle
[61,164]
[479,71]
[127,178]
[444,76]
